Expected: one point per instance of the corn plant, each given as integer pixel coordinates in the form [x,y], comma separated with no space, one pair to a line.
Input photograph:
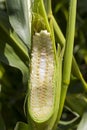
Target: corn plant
[34,44]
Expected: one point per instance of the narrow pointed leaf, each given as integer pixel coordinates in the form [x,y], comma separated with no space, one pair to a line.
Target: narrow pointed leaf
[20,18]
[12,51]
[21,126]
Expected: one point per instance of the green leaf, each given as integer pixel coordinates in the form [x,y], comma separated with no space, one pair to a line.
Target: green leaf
[83,123]
[21,126]
[76,72]
[20,18]
[77,102]
[9,57]
[12,51]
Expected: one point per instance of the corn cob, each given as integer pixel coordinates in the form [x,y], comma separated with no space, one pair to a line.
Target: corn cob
[41,99]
